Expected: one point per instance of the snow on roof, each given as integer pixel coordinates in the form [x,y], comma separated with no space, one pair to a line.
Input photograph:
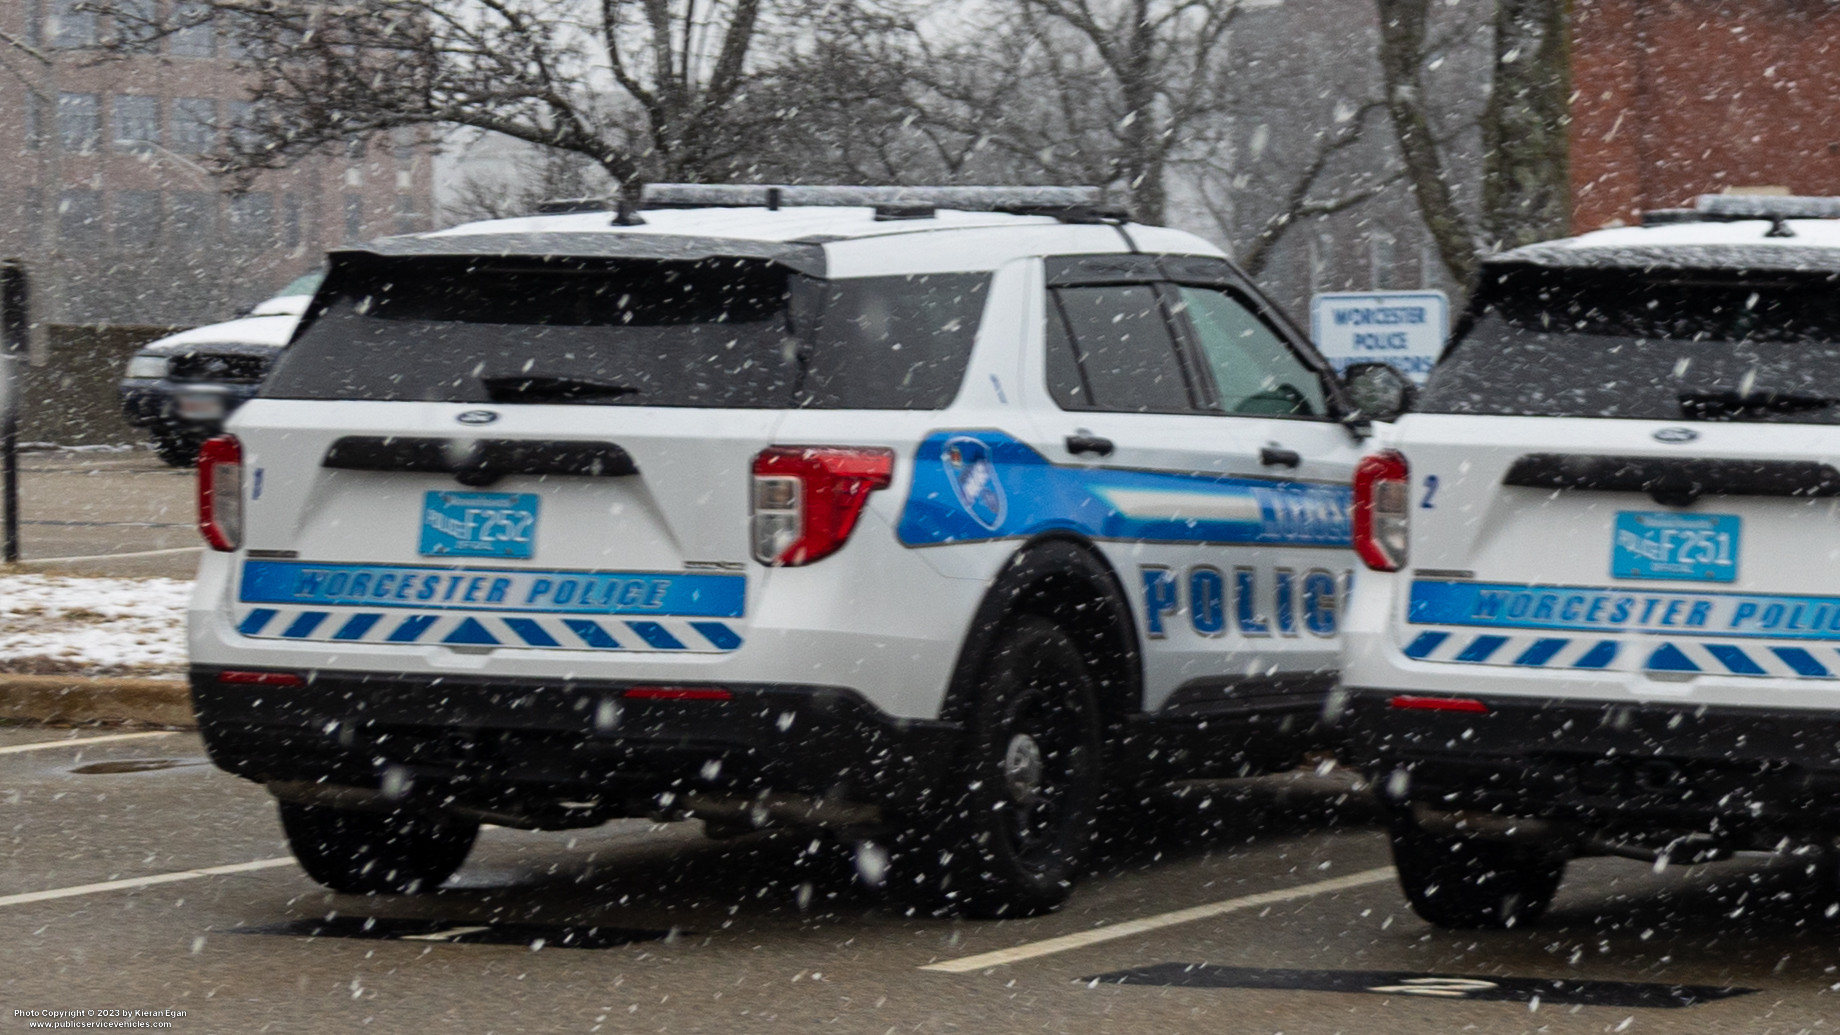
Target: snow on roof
[1739,244]
[783,225]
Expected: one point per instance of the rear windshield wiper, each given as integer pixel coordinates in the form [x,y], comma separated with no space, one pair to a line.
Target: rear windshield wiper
[1729,405]
[548,388]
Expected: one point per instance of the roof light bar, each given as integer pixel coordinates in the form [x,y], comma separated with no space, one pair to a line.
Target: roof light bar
[964,199]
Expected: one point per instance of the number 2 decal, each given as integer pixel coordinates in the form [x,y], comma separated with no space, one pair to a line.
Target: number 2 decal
[1431,486]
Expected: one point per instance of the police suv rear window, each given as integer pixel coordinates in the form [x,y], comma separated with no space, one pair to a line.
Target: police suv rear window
[1648,345]
[726,333]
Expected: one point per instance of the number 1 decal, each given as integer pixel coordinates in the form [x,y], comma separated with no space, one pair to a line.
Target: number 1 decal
[1431,486]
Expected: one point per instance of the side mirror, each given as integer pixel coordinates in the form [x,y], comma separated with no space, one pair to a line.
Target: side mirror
[1379,391]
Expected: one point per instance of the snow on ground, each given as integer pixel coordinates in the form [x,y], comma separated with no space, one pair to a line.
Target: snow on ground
[58,624]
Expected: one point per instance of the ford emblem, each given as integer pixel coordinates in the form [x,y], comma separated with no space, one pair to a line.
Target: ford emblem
[1664,435]
[487,417]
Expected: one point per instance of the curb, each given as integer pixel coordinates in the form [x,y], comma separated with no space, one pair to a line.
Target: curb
[63,699]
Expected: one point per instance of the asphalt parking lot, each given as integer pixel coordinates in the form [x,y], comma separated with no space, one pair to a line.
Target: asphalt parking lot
[106,513]
[137,877]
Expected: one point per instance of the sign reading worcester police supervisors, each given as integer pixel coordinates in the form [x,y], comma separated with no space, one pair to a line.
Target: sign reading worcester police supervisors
[1404,328]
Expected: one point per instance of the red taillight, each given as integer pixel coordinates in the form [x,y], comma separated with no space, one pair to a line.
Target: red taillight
[678,693]
[1380,495]
[807,498]
[220,492]
[260,678]
[1438,704]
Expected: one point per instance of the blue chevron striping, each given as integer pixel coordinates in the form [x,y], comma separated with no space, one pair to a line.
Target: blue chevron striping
[471,632]
[1599,656]
[356,626]
[256,620]
[1481,648]
[656,636]
[304,624]
[1802,662]
[1421,648]
[1541,652]
[591,633]
[531,632]
[411,628]
[1668,658]
[1735,659]
[719,635]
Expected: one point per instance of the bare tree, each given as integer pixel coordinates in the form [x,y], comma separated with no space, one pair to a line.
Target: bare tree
[1525,174]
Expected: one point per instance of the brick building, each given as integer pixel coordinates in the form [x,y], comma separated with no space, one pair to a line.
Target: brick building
[1676,98]
[104,196]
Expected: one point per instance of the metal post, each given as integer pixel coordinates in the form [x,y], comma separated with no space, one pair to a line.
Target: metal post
[14,325]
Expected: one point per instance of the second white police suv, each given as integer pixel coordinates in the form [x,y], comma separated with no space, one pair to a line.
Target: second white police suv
[932,516]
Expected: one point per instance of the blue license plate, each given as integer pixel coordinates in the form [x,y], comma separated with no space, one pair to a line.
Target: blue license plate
[1663,545]
[479,524]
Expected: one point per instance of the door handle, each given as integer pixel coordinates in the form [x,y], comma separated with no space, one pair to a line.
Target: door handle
[1271,456]
[1077,444]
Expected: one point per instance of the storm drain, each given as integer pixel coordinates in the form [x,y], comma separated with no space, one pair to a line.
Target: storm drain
[461,932]
[1556,991]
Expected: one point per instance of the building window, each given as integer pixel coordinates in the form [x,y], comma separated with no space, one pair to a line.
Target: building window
[194,215]
[402,142]
[290,221]
[137,121]
[73,24]
[32,216]
[193,35]
[35,22]
[354,217]
[137,25]
[79,117]
[35,119]
[137,218]
[354,149]
[80,217]
[252,218]
[408,220]
[243,122]
[194,125]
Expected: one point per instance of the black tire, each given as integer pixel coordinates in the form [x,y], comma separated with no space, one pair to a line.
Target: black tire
[1462,881]
[376,853]
[1015,825]
[176,450]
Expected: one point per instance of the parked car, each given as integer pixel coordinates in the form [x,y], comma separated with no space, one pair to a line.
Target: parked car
[1602,616]
[929,516]
[181,387]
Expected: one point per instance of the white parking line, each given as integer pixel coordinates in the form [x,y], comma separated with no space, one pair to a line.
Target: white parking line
[77,742]
[28,561]
[142,882]
[1129,928]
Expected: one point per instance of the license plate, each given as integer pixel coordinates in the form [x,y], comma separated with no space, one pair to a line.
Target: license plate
[1664,545]
[201,406]
[479,524]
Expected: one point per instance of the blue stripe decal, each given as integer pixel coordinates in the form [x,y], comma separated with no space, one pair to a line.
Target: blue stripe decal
[531,632]
[1541,652]
[591,633]
[1422,647]
[427,588]
[980,485]
[719,635]
[1481,647]
[254,621]
[656,635]
[1599,656]
[471,632]
[356,626]
[1801,661]
[304,624]
[1605,610]
[412,628]
[1734,659]
[1668,658]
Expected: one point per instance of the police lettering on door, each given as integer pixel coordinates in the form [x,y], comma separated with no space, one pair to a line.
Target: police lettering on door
[1249,601]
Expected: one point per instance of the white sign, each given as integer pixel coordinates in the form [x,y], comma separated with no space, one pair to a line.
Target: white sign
[1404,328]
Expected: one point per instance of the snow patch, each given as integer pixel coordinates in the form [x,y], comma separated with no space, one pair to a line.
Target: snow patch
[57,624]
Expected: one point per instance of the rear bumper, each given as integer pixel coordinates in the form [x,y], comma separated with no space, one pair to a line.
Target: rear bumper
[524,746]
[1751,773]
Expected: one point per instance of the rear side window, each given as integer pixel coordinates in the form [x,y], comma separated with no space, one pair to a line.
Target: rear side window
[1650,345]
[1109,348]
[728,333]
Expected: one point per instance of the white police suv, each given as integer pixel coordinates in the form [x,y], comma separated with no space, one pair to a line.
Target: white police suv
[924,514]
[1603,617]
